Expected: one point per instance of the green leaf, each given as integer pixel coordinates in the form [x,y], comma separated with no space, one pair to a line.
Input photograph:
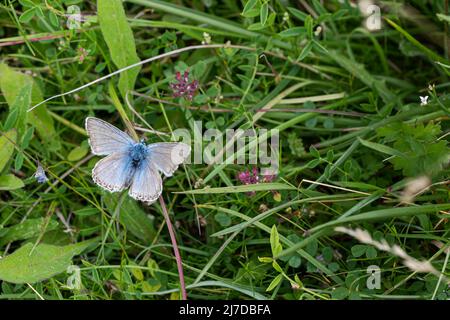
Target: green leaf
[358,250]
[265,259]
[10,182]
[7,141]
[293,32]
[26,265]
[298,14]
[249,6]
[28,229]
[275,241]
[381,148]
[276,266]
[53,19]
[371,253]
[18,111]
[295,261]
[306,50]
[223,219]
[340,293]
[263,13]
[11,85]
[27,15]
[274,282]
[77,153]
[119,39]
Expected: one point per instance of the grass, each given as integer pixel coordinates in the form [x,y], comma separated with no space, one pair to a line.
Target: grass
[357,150]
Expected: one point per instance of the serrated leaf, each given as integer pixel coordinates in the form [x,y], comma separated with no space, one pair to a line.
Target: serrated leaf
[26,265]
[119,39]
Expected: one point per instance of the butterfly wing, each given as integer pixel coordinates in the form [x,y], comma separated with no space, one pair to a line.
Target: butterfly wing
[106,139]
[167,156]
[146,185]
[113,172]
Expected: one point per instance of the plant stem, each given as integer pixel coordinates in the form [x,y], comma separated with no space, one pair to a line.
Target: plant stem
[175,247]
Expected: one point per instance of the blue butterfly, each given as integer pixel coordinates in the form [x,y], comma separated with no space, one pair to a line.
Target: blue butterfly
[132,164]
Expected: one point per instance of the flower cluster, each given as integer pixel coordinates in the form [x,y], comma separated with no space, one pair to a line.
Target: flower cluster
[184,88]
[254,176]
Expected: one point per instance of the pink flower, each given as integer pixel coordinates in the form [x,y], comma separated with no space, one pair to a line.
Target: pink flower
[183,88]
[253,177]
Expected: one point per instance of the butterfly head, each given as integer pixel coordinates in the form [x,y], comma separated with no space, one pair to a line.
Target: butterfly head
[138,152]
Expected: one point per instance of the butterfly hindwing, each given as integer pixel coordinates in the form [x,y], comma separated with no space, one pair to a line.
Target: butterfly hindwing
[114,172]
[146,185]
[167,156]
[106,139]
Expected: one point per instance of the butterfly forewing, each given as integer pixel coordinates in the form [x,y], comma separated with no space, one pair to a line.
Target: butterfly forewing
[167,156]
[146,185]
[114,172]
[106,139]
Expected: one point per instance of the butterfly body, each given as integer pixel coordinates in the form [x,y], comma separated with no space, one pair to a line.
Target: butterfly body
[138,153]
[131,164]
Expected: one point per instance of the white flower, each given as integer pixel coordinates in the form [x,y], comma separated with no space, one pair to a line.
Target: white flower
[423,101]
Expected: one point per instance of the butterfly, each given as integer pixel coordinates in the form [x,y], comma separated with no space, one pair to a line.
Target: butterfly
[131,164]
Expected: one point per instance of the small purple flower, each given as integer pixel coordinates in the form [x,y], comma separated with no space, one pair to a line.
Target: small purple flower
[253,177]
[40,174]
[183,88]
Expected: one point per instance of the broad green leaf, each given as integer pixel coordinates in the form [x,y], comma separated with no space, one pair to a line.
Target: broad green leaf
[11,84]
[28,229]
[132,216]
[28,265]
[358,250]
[119,38]
[10,182]
[7,141]
[77,153]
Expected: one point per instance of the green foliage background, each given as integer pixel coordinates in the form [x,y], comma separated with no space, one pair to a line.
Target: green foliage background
[353,134]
